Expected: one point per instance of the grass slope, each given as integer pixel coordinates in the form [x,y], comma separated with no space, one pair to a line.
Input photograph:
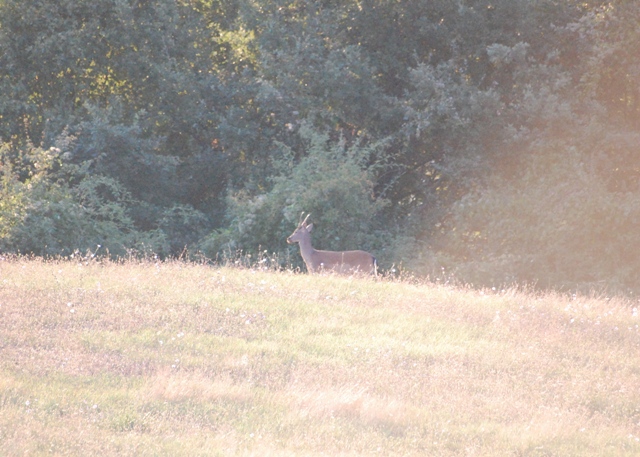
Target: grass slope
[177,359]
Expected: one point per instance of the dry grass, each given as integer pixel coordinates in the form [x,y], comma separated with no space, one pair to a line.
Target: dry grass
[176,359]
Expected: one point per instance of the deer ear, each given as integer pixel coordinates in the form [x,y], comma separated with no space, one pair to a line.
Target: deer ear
[309,227]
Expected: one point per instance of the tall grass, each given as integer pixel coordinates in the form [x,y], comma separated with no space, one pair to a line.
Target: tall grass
[143,358]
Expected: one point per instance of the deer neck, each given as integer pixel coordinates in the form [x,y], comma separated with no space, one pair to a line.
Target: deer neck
[305,248]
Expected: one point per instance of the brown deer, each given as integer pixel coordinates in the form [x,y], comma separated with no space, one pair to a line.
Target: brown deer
[342,262]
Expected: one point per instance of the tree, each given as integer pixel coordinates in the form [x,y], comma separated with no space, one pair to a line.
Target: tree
[137,84]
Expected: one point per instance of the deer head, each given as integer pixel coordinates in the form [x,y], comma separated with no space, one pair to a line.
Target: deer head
[303,232]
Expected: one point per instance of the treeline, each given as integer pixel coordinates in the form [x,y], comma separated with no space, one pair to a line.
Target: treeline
[495,141]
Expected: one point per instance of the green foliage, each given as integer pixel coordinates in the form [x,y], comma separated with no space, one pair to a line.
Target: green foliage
[182,226]
[13,200]
[45,215]
[212,125]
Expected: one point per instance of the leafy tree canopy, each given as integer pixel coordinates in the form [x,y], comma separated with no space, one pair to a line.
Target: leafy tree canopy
[167,124]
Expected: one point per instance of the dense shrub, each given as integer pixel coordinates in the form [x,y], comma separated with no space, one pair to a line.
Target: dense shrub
[334,181]
[556,224]
[182,228]
[58,209]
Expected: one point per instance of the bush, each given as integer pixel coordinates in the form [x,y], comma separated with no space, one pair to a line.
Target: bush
[334,182]
[557,224]
[58,208]
[182,227]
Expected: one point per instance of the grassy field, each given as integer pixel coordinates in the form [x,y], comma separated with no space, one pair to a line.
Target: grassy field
[184,360]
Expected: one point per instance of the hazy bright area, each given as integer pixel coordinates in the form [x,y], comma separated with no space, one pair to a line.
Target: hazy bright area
[143,358]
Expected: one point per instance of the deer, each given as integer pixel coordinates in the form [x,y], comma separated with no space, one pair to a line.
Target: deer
[341,262]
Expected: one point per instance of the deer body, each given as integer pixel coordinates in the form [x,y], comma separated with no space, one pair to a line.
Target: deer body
[342,262]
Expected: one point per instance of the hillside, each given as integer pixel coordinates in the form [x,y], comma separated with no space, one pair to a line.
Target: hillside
[142,358]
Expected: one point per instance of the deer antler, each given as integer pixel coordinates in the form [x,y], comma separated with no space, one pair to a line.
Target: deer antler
[305,219]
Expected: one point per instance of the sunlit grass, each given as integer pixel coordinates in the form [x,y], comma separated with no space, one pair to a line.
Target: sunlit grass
[182,359]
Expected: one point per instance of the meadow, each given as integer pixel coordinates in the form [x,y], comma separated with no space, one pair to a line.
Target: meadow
[180,359]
